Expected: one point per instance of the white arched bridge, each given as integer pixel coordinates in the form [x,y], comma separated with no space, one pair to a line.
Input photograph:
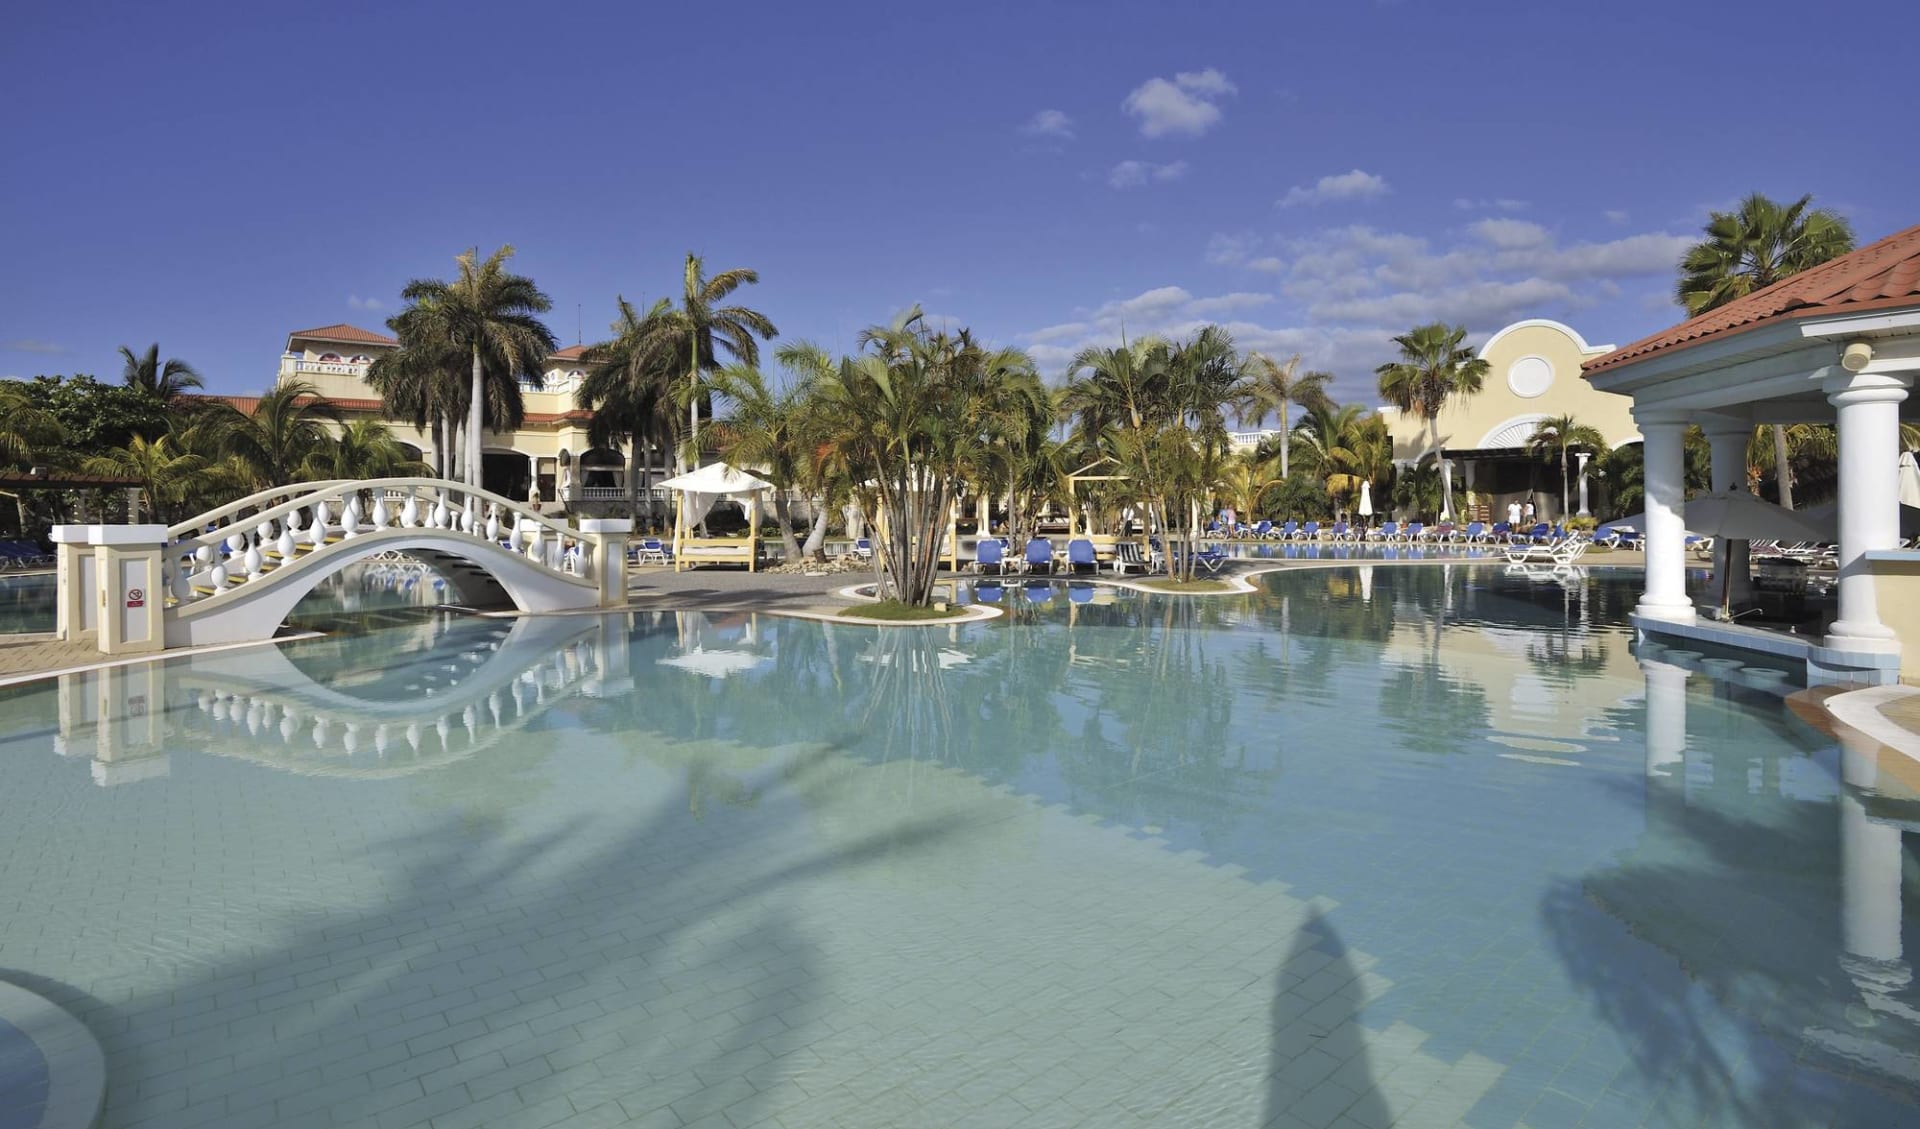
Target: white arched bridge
[234,573]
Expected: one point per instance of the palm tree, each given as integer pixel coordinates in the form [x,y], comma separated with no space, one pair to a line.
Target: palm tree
[628,387]
[163,383]
[1276,387]
[286,429]
[1555,436]
[1749,249]
[492,316]
[765,429]
[701,324]
[1433,365]
[167,474]
[365,448]
[422,383]
[25,431]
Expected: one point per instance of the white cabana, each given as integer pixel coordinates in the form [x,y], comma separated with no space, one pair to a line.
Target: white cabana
[1839,344]
[699,490]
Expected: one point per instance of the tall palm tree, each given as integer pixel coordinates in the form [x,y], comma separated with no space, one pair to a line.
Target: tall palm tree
[1275,386]
[286,429]
[1554,437]
[25,431]
[423,382]
[703,326]
[1434,365]
[164,383]
[628,386]
[1749,249]
[491,315]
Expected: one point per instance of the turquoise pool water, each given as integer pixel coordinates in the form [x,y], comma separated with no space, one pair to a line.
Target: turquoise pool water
[1377,845]
[27,603]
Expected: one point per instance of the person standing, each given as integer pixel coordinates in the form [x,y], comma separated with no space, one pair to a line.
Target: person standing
[1529,513]
[1513,515]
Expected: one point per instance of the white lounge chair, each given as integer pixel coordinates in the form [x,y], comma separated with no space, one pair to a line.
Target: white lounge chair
[1561,554]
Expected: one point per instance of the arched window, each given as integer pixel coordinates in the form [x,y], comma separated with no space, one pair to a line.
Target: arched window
[329,358]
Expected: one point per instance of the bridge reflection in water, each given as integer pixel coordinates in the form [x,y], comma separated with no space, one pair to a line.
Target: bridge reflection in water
[439,691]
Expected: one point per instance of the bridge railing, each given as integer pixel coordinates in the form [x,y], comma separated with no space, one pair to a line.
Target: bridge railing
[270,530]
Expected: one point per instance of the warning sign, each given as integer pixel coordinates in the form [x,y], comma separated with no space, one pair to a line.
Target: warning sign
[136,597]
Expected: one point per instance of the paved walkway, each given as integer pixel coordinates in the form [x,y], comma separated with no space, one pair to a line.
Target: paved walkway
[44,653]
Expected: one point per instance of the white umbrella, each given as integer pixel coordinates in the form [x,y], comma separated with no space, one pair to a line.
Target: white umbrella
[1446,490]
[1909,479]
[1741,516]
[715,664]
[1366,499]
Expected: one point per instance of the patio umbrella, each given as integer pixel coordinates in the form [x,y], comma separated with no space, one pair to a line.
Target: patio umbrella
[1735,515]
[1909,479]
[1366,499]
[1446,490]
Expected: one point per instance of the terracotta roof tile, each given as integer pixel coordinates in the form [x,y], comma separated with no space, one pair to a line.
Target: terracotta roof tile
[570,353]
[344,332]
[1877,276]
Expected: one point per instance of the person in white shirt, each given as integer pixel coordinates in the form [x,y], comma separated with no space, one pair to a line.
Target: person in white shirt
[1513,514]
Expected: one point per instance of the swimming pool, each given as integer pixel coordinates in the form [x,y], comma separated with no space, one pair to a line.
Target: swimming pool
[1414,842]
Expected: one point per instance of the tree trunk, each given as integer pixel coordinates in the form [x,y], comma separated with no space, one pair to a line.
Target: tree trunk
[633,478]
[1782,466]
[1286,439]
[1563,484]
[788,545]
[692,457]
[817,536]
[475,414]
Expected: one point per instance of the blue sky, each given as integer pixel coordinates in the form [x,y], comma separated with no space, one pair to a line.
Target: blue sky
[1317,177]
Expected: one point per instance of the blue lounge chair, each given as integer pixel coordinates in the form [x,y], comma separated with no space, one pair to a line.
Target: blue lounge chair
[1039,555]
[1413,532]
[1080,556]
[1542,534]
[1473,534]
[1210,559]
[989,554]
[651,550]
[1500,531]
[1342,531]
[1287,530]
[863,548]
[1310,531]
[1261,528]
[1388,531]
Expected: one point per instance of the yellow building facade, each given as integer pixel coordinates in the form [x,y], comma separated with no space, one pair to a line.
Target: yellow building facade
[550,452]
[1533,375]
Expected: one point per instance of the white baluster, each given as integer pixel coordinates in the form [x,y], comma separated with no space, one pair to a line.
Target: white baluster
[413,737]
[294,521]
[263,533]
[493,522]
[410,513]
[380,740]
[470,718]
[533,541]
[493,708]
[254,561]
[182,584]
[517,539]
[220,578]
[380,516]
[440,511]
[350,517]
[256,716]
[288,727]
[320,518]
[236,543]
[287,546]
[350,740]
[445,729]
[321,728]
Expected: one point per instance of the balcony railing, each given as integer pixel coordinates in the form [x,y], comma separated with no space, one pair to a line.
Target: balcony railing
[611,494]
[328,368]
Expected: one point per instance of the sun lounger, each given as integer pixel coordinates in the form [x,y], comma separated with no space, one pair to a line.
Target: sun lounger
[1308,532]
[1210,559]
[1039,555]
[1560,554]
[1080,556]
[989,554]
[863,548]
[1387,531]
[1128,558]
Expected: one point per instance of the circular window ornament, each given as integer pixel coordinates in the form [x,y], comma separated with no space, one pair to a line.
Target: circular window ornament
[1530,377]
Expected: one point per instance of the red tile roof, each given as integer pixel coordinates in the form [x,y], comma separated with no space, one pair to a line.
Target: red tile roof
[344,332]
[571,353]
[1878,276]
[247,405]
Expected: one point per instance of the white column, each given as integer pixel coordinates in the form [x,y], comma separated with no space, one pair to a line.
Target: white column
[1666,718]
[1583,457]
[1664,481]
[1869,434]
[1727,440]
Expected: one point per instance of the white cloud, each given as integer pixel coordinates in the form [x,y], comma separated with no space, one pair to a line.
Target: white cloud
[1269,264]
[354,301]
[32,345]
[1049,123]
[1226,250]
[1615,215]
[1135,174]
[1185,105]
[1498,204]
[1509,235]
[1355,185]
[1480,303]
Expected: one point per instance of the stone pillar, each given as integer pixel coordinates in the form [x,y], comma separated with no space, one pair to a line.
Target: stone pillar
[1583,456]
[110,583]
[609,558]
[1868,407]
[1665,595]
[1727,439]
